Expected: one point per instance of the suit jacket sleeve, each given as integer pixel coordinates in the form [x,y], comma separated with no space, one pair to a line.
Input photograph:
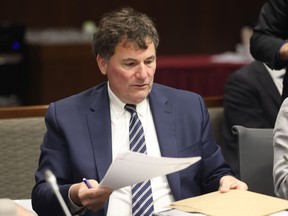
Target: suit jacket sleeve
[53,154]
[73,147]
[270,33]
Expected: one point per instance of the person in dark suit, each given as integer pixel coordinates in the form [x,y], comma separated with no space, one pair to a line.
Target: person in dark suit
[268,42]
[252,98]
[86,131]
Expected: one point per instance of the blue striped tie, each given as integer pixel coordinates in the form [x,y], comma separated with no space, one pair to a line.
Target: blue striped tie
[142,200]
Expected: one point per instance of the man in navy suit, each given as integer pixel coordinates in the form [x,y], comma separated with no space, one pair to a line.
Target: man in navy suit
[86,131]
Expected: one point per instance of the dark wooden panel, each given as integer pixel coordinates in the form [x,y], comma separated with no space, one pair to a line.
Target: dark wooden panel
[185,26]
[58,71]
[23,111]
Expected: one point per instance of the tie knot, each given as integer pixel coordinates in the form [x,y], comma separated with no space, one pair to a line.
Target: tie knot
[130,108]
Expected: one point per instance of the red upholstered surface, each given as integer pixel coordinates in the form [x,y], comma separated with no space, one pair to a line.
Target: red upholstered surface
[197,73]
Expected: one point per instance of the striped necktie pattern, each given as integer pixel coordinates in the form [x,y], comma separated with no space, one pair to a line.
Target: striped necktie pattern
[142,200]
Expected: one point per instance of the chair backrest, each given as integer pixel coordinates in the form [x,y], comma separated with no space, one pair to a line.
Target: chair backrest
[216,120]
[255,149]
[21,133]
[216,112]
[214,101]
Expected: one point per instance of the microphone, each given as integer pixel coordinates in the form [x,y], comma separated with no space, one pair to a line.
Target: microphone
[51,179]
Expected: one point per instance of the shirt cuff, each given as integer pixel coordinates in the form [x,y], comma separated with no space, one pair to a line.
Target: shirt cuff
[75,209]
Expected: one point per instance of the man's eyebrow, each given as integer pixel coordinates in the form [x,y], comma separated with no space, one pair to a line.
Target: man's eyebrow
[132,59]
[129,59]
[152,57]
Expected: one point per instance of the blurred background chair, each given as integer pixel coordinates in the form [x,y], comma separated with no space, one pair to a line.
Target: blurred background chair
[216,120]
[21,133]
[216,112]
[255,149]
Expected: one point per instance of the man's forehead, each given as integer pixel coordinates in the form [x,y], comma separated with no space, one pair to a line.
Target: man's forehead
[132,47]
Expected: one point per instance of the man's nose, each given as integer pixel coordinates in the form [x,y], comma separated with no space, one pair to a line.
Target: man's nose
[141,71]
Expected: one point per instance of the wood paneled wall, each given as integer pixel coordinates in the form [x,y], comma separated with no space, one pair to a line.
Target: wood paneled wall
[185,26]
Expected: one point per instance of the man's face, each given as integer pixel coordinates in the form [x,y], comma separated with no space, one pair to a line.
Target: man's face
[130,71]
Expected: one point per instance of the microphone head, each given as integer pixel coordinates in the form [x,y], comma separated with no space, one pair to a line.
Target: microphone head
[49,175]
[51,179]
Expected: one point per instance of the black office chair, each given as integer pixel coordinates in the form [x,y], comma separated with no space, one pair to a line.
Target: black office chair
[255,150]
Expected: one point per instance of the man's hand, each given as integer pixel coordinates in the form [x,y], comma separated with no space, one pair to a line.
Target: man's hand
[92,198]
[284,52]
[230,182]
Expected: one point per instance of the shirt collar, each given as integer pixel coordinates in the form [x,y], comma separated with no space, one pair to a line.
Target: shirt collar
[275,73]
[117,106]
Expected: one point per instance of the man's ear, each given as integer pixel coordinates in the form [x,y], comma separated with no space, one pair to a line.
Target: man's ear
[102,64]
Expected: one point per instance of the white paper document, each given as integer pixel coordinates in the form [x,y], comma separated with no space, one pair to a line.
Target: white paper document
[131,167]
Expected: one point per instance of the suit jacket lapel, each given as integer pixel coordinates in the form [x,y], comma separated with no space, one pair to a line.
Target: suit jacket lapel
[164,121]
[99,125]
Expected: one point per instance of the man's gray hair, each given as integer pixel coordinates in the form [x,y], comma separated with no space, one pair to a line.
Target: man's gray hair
[127,24]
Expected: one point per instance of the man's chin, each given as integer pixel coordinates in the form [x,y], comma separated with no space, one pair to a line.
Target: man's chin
[139,98]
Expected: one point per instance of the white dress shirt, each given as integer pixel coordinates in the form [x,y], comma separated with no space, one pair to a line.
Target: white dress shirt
[277,76]
[120,200]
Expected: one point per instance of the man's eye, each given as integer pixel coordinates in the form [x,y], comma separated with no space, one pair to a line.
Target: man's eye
[129,64]
[149,62]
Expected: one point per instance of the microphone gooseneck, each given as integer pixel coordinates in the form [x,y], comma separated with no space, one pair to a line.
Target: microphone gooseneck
[51,179]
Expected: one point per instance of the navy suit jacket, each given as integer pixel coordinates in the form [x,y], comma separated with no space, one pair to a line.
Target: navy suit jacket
[78,143]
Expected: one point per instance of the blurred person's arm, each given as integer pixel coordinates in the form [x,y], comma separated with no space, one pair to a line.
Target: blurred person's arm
[21,211]
[270,34]
[9,208]
[280,143]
